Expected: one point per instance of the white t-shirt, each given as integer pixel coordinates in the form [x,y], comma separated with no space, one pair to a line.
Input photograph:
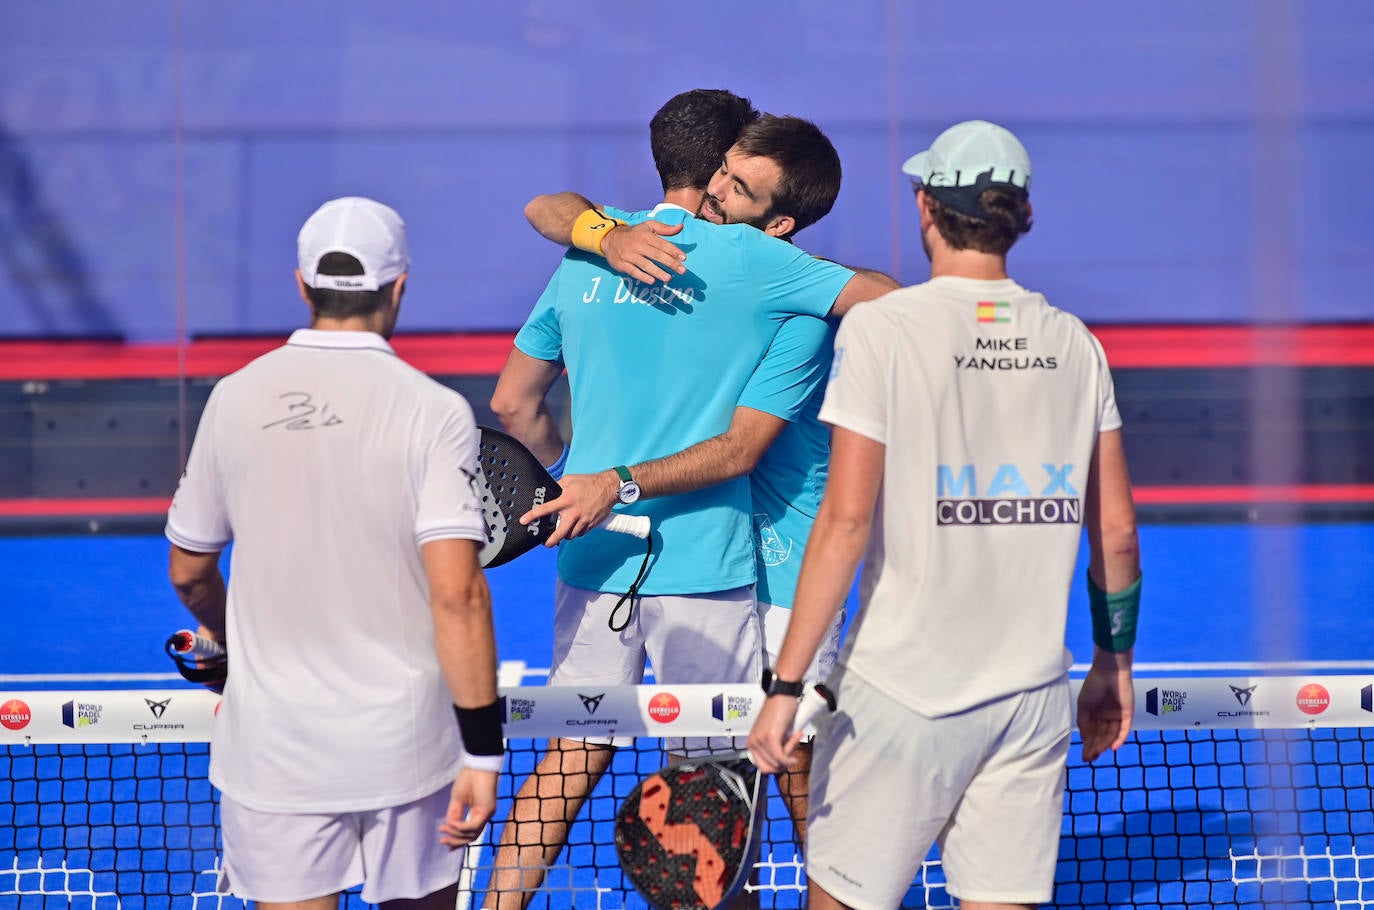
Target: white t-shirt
[989,402]
[328,462]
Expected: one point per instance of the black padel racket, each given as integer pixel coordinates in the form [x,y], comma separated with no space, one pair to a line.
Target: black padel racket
[513,482]
[688,835]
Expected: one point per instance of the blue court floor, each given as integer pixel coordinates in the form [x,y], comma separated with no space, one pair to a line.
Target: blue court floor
[100,606]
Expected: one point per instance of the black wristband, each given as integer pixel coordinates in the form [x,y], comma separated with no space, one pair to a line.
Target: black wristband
[481,729]
[774,686]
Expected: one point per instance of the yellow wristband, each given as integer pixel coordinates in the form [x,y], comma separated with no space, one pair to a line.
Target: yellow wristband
[590,228]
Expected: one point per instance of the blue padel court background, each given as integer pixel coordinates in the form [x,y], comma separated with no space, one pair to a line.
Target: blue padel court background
[100,606]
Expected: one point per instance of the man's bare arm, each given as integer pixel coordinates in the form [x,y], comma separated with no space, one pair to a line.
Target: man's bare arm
[465,644]
[589,498]
[837,543]
[553,214]
[200,586]
[866,285]
[1106,701]
[519,404]
[638,251]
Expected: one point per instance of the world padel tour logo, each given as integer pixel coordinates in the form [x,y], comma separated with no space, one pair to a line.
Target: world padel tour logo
[15,714]
[1165,701]
[77,714]
[664,707]
[731,707]
[518,709]
[1366,698]
[1313,698]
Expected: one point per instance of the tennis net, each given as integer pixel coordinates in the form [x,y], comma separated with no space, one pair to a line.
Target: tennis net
[1231,793]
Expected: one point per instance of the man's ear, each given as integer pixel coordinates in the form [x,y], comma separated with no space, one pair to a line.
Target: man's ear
[923,206]
[783,226]
[305,295]
[399,288]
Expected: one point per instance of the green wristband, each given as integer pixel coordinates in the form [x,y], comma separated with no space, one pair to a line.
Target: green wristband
[1114,616]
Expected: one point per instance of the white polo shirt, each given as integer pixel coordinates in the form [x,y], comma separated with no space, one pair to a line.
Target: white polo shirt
[328,462]
[989,402]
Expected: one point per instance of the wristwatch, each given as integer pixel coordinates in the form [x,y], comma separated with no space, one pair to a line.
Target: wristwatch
[629,490]
[774,686]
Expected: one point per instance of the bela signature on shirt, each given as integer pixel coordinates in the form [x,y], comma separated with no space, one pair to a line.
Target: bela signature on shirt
[303,414]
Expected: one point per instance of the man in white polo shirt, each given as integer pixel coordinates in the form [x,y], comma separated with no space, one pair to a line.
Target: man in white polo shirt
[357,616]
[976,436]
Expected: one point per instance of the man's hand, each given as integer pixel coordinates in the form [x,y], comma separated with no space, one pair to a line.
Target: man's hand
[772,743]
[641,252]
[471,805]
[1106,704]
[586,501]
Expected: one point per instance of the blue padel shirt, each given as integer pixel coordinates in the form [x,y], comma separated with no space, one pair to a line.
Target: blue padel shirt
[789,481]
[655,369]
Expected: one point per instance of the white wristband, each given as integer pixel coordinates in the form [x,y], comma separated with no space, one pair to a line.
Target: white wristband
[492,763]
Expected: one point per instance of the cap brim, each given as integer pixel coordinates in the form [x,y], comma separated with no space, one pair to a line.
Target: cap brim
[915,166]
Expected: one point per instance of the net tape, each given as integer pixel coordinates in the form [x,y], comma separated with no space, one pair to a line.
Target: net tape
[1204,806]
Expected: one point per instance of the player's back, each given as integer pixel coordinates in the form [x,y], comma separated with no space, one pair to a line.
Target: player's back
[995,400]
[324,449]
[654,369]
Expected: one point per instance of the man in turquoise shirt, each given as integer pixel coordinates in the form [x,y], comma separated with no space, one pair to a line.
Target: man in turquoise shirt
[654,369]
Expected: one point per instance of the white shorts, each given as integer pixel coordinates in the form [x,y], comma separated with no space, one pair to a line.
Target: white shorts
[688,638]
[395,853]
[775,620]
[987,785]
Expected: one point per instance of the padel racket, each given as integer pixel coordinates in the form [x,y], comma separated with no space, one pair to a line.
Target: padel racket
[198,659]
[513,482]
[687,835]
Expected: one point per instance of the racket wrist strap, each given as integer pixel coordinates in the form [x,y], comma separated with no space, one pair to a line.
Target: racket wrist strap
[1114,616]
[481,731]
[590,228]
[556,469]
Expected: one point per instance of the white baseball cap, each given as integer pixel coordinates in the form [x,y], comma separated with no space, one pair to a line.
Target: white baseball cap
[363,228]
[968,158]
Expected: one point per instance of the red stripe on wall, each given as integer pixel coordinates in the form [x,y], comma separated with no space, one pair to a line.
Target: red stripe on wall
[1311,494]
[444,355]
[1257,495]
[1237,346]
[485,354]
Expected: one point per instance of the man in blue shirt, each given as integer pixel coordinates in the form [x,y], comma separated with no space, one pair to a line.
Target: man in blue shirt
[655,368]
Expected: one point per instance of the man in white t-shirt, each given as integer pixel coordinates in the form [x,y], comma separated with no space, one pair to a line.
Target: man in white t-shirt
[357,618]
[976,436]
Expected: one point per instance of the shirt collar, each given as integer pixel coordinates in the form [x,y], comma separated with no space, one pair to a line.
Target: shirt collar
[668,207]
[340,339]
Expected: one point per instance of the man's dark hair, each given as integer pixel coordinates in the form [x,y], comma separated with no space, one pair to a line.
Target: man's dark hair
[1010,217]
[691,133]
[335,304]
[809,163]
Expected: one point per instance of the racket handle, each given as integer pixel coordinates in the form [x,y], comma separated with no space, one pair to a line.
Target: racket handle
[634,525]
[816,699]
[194,647]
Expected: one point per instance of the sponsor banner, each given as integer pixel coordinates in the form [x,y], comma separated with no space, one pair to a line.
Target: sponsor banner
[537,712]
[577,711]
[1278,702]
[143,716]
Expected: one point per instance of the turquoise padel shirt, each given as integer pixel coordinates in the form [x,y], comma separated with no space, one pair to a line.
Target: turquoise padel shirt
[654,369]
[789,481]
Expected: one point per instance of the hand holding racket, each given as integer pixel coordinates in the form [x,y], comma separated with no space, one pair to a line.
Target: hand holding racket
[513,483]
[199,658]
[687,836]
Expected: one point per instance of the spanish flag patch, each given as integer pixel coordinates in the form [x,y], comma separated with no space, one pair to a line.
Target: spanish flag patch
[994,311]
